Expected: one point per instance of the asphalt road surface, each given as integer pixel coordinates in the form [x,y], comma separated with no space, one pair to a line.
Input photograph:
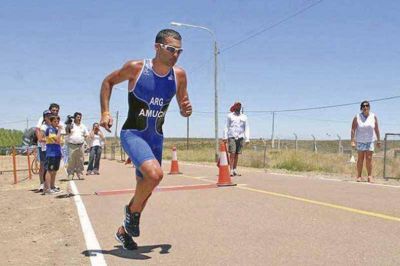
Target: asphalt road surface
[268,219]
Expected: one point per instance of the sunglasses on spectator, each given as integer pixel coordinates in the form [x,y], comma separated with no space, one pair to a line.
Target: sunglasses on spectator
[171,49]
[365,105]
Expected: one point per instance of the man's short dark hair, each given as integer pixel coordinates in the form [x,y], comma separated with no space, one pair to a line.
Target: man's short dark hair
[160,38]
[52,105]
[76,114]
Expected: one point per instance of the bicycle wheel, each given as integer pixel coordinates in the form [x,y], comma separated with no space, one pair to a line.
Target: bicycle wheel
[35,166]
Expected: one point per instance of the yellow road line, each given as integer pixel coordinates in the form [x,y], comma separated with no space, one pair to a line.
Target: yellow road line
[325,204]
[320,203]
[201,178]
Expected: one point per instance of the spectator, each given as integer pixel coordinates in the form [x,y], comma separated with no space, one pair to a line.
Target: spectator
[362,137]
[53,154]
[96,142]
[236,131]
[53,109]
[42,147]
[76,133]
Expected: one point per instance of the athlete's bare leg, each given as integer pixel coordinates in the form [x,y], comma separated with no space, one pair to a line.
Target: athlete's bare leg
[144,203]
[152,175]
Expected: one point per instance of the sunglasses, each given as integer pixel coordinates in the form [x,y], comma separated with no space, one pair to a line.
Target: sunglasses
[365,105]
[171,49]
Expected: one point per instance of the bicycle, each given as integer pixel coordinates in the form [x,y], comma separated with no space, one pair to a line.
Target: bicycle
[35,164]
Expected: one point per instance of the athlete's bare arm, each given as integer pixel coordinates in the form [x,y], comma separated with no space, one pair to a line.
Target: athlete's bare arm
[128,72]
[181,92]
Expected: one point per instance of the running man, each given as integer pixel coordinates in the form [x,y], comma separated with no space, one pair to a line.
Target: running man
[152,85]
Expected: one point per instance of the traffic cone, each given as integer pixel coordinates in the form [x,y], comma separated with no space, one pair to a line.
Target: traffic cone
[224,178]
[174,163]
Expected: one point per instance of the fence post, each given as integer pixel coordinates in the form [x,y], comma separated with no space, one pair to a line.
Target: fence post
[340,150]
[14,165]
[315,144]
[384,159]
[112,151]
[29,162]
[265,152]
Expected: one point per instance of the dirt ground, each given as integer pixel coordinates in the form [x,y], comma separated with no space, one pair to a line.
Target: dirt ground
[36,229]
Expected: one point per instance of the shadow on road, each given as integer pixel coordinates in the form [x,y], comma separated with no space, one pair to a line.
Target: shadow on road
[138,254]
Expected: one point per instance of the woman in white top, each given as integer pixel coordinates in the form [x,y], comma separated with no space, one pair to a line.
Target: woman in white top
[362,137]
[96,138]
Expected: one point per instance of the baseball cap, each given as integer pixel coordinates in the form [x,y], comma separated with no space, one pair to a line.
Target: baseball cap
[46,113]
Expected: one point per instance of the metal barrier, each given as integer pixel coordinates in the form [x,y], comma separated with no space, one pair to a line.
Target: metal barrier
[114,151]
[14,163]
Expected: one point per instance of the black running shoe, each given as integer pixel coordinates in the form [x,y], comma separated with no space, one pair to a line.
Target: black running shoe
[131,222]
[126,241]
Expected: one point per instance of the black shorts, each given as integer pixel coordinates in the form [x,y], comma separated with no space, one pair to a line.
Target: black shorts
[53,163]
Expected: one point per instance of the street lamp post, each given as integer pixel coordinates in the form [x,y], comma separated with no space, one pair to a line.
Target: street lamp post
[178,24]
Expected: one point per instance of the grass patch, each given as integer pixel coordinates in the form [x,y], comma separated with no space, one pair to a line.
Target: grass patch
[303,160]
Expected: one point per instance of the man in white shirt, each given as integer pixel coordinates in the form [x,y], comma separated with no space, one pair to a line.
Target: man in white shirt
[236,132]
[77,133]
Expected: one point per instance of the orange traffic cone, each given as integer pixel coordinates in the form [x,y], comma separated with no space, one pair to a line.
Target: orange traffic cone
[174,163]
[224,178]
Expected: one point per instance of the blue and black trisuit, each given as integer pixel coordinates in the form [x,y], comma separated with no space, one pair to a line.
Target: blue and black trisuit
[142,135]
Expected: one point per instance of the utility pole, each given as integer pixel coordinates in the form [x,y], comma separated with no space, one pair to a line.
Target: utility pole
[216,52]
[216,98]
[187,133]
[273,131]
[116,125]
[27,123]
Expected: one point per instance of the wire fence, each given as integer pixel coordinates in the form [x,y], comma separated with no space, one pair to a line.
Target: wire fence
[334,156]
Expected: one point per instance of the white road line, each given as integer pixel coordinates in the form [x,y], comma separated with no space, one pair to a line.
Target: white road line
[96,256]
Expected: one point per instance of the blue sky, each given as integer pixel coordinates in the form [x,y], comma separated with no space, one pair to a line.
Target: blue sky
[336,52]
